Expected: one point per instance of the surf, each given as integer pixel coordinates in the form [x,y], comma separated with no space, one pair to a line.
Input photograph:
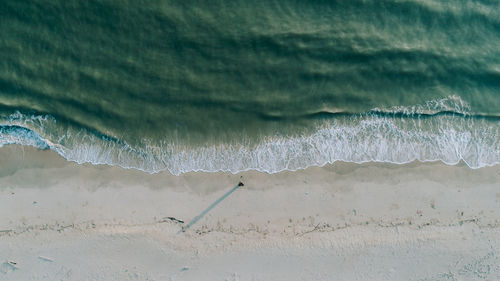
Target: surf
[439,130]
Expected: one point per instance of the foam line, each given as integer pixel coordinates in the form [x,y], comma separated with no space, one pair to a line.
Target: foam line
[358,138]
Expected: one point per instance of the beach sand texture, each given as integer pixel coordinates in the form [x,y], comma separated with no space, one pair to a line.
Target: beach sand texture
[366,136]
[420,221]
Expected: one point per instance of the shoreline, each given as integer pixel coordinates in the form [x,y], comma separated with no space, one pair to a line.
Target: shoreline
[400,141]
[349,214]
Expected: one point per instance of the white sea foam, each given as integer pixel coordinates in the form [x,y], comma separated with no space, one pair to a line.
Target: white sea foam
[356,138]
[20,135]
[448,104]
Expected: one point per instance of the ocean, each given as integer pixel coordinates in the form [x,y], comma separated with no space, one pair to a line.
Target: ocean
[181,86]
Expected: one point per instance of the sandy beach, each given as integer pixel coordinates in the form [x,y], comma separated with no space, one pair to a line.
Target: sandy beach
[374,221]
[167,140]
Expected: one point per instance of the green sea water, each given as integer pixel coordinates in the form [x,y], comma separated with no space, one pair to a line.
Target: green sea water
[266,85]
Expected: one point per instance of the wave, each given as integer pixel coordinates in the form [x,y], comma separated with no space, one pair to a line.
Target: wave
[401,135]
[21,135]
[432,107]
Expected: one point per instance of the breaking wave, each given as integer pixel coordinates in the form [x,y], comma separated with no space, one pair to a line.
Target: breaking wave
[441,130]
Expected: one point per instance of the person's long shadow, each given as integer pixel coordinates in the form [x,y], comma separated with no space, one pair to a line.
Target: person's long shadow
[198,217]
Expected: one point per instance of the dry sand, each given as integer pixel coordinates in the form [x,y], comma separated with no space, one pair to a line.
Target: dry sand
[374,221]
